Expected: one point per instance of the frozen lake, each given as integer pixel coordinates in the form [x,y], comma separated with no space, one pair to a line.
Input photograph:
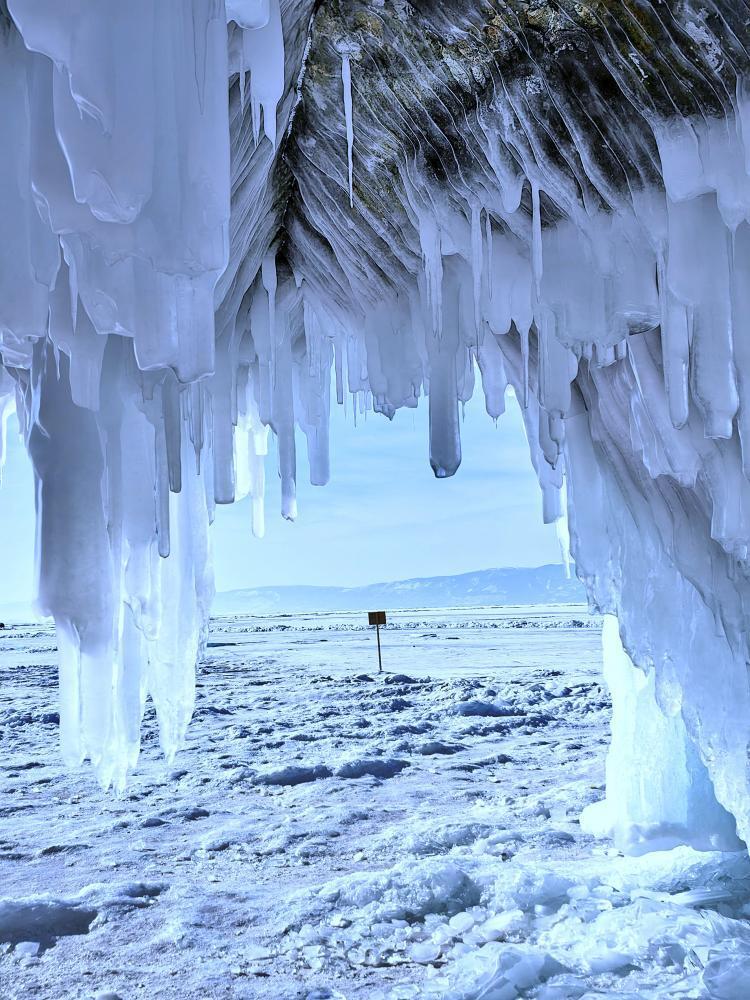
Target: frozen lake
[448,642]
[328,832]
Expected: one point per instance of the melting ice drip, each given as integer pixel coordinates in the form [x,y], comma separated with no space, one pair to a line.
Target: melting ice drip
[154,327]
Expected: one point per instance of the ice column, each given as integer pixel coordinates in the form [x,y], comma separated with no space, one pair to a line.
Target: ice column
[676,804]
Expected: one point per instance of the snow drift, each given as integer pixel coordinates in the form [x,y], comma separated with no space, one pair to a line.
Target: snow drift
[207,208]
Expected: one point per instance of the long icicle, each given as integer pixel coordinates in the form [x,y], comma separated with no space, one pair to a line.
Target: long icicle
[346,78]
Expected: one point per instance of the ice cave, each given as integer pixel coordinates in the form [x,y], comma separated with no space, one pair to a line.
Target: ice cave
[216,215]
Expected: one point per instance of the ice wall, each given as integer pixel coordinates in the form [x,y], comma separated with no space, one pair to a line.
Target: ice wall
[214,216]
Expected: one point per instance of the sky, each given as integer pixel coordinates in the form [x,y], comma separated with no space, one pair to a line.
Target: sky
[383,516]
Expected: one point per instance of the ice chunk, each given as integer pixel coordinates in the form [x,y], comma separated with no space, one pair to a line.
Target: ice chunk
[726,974]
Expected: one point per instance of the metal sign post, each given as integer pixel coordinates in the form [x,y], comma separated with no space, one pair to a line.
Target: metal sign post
[377,618]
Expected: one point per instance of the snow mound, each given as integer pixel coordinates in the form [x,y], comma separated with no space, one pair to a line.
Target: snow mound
[375,767]
[293,775]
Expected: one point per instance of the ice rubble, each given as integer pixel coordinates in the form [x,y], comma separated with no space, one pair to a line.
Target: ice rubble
[164,301]
[494,917]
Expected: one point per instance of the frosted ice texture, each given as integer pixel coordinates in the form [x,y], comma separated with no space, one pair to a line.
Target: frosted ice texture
[151,335]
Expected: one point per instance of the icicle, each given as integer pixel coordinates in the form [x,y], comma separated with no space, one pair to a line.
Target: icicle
[494,378]
[173,433]
[561,529]
[255,116]
[698,276]
[675,346]
[536,237]
[162,493]
[525,367]
[196,423]
[432,257]
[258,453]
[269,278]
[488,237]
[241,78]
[250,451]
[557,369]
[477,265]
[263,53]
[339,369]
[346,78]
[445,431]
[73,289]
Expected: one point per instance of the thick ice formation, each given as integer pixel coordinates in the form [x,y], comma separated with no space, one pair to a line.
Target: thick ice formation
[181,272]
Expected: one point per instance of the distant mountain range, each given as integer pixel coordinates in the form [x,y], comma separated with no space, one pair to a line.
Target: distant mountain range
[539,585]
[512,585]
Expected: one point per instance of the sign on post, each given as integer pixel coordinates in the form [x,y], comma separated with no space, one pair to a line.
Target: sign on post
[377,618]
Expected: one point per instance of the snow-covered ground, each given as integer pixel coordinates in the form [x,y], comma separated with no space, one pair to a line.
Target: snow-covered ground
[328,832]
